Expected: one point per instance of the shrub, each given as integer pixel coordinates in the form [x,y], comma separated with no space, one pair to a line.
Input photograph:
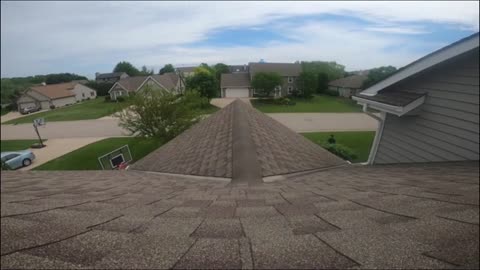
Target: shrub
[88,98]
[340,150]
[332,93]
[108,99]
[120,99]
[283,101]
[52,107]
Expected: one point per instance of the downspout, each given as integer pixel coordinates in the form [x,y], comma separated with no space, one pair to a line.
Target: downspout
[378,134]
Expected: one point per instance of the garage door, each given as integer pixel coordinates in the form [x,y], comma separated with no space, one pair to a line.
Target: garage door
[236,92]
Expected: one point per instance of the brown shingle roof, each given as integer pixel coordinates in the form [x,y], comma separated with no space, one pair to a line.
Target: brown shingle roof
[186,69]
[284,69]
[55,91]
[364,217]
[109,75]
[354,82]
[132,83]
[207,149]
[168,80]
[235,80]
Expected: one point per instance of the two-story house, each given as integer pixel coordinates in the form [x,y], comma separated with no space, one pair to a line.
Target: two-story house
[110,77]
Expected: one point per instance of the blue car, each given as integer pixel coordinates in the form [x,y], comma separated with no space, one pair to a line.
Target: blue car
[17,159]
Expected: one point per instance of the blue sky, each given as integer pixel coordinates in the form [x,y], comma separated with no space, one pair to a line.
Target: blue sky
[86,37]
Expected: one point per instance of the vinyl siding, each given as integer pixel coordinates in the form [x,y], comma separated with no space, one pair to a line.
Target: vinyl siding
[447,125]
[80,89]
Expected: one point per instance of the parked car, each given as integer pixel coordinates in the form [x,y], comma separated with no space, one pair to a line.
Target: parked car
[29,109]
[17,159]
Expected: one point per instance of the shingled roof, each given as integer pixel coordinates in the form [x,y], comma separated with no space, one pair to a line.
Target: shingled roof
[284,69]
[354,82]
[55,91]
[416,216]
[235,80]
[241,143]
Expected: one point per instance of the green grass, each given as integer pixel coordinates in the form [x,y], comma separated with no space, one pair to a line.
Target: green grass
[210,109]
[359,141]
[16,145]
[91,109]
[316,104]
[86,158]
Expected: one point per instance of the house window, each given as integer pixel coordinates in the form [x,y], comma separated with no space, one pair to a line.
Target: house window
[290,89]
[83,94]
[92,94]
[290,79]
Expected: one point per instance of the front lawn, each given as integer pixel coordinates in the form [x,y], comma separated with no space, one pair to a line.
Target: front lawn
[86,158]
[316,104]
[16,145]
[91,109]
[209,110]
[359,141]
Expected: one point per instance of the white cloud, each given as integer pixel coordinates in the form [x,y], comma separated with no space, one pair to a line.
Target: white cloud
[41,37]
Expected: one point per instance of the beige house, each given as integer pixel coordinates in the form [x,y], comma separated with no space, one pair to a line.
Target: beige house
[44,96]
[168,82]
[82,92]
[348,86]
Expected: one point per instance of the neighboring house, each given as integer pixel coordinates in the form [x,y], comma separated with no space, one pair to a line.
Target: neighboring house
[82,92]
[168,82]
[288,71]
[186,71]
[44,96]
[238,68]
[429,110]
[110,77]
[348,86]
[235,85]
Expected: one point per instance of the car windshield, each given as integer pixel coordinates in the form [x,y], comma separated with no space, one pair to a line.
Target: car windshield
[9,156]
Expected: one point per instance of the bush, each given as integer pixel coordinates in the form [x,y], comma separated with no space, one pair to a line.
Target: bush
[52,107]
[340,150]
[108,99]
[283,101]
[120,99]
[332,93]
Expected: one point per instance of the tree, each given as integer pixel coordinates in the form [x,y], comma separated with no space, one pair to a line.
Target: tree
[102,88]
[126,67]
[62,77]
[145,71]
[167,68]
[203,81]
[307,82]
[265,82]
[220,68]
[160,114]
[332,69]
[322,82]
[377,74]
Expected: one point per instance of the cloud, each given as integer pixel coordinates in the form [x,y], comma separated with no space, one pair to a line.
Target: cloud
[41,37]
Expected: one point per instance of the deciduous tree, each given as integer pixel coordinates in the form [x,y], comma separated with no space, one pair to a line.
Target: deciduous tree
[265,82]
[126,67]
[167,68]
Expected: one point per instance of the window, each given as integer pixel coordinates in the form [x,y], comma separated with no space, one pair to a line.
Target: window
[92,94]
[290,79]
[290,89]
[83,94]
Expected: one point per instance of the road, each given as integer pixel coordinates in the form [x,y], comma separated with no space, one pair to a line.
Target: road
[299,122]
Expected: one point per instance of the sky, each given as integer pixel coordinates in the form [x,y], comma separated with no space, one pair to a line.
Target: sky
[87,37]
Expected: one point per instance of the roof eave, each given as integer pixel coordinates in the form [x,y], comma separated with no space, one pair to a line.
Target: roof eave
[424,63]
[392,109]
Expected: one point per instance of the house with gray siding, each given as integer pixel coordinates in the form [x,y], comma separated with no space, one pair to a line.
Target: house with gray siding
[170,82]
[110,77]
[429,109]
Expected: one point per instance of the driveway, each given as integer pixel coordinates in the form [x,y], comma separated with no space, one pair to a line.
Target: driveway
[223,102]
[14,115]
[57,148]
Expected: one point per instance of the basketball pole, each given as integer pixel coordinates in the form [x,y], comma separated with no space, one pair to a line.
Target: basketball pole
[38,134]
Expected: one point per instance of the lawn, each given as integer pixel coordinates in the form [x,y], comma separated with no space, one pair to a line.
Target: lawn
[91,109]
[209,110]
[316,104]
[15,145]
[359,141]
[86,158]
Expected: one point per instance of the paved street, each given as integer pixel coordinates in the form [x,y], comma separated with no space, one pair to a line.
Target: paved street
[299,122]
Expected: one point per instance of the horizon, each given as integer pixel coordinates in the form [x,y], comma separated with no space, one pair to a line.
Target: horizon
[359,35]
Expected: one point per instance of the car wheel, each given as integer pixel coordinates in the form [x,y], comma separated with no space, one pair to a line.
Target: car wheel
[26,162]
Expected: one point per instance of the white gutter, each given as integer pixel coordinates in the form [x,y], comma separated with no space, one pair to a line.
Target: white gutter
[378,134]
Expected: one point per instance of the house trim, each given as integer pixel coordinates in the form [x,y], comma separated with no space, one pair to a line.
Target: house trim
[113,86]
[439,56]
[396,110]
[159,84]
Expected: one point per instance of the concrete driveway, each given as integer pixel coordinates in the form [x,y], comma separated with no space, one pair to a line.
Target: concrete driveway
[14,115]
[317,122]
[56,148]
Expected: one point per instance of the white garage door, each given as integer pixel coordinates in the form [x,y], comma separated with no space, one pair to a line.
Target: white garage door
[236,92]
